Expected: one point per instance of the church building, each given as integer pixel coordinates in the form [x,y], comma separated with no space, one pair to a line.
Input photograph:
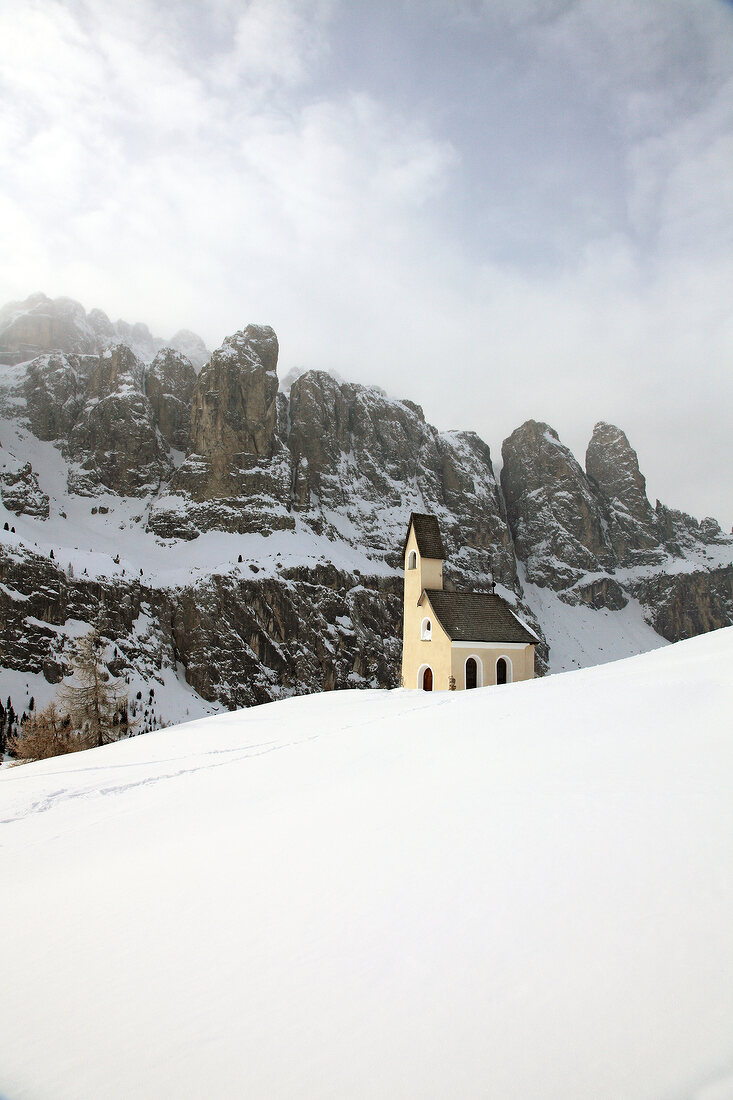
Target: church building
[455,640]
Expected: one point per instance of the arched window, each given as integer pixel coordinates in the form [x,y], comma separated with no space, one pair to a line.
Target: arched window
[503,671]
[412,560]
[426,630]
[471,673]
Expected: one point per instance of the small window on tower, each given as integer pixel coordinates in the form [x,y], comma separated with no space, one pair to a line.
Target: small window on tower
[426,630]
[412,560]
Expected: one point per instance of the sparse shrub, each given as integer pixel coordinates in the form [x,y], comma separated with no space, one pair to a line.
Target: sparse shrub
[46,733]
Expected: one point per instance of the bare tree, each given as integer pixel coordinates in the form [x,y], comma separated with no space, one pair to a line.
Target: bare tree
[96,703]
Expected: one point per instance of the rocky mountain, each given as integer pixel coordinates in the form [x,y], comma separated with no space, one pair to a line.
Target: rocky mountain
[236,543]
[41,324]
[592,537]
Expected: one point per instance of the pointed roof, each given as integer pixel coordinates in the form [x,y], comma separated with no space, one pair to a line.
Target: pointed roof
[427,533]
[477,617]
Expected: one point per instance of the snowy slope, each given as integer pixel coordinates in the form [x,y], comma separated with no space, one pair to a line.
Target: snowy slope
[517,892]
[579,635]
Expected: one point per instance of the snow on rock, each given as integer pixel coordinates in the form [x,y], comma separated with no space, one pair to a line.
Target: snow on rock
[579,635]
[613,467]
[159,481]
[361,462]
[19,488]
[55,390]
[169,383]
[236,474]
[555,519]
[519,891]
[115,440]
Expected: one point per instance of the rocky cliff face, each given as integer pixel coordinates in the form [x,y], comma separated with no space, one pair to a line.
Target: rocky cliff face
[247,542]
[241,641]
[234,409]
[19,488]
[594,538]
[236,476]
[115,439]
[554,517]
[613,471]
[361,461]
[169,385]
[55,389]
[682,605]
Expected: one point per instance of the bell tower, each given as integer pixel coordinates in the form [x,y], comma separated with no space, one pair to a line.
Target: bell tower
[423,555]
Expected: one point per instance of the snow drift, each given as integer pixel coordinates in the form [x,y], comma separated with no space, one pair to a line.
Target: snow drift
[521,892]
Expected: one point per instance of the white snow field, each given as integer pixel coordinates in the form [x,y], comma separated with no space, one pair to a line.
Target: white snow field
[517,892]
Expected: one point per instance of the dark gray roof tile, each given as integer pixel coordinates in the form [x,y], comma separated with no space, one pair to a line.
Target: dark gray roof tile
[477,617]
[427,533]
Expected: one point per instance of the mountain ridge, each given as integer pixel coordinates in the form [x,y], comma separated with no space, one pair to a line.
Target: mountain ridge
[257,532]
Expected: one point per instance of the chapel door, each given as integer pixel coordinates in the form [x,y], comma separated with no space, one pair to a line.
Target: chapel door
[501,671]
[471,673]
[427,679]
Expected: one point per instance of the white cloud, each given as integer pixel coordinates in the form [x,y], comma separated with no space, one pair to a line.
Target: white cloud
[278,40]
[155,169]
[192,165]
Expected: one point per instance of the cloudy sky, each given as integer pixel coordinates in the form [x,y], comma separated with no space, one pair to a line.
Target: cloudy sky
[501,209]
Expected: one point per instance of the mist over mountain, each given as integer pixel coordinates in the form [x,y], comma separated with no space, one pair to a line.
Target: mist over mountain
[40,324]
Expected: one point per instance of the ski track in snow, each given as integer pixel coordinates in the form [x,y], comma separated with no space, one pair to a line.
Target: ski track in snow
[522,891]
[53,798]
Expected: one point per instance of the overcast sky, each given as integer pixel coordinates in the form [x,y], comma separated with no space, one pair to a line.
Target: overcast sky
[502,209]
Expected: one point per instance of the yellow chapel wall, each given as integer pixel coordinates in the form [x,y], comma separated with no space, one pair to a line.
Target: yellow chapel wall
[417,653]
[522,661]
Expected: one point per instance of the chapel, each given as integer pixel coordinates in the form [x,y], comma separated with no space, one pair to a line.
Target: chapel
[455,640]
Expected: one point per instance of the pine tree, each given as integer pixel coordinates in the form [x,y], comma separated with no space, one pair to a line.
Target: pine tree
[11,728]
[96,703]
